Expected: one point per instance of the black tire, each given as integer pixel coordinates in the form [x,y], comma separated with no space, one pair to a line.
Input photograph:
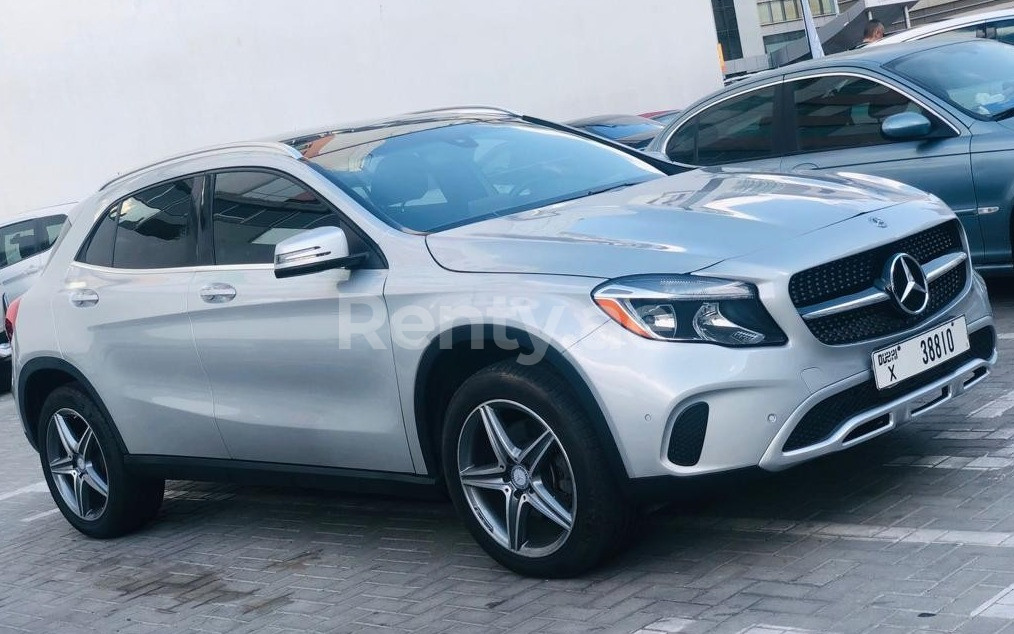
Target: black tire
[132,501]
[5,376]
[602,515]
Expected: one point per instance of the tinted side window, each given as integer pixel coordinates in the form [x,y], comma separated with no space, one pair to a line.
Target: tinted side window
[682,146]
[1004,31]
[740,129]
[18,241]
[99,248]
[50,230]
[844,112]
[253,211]
[156,228]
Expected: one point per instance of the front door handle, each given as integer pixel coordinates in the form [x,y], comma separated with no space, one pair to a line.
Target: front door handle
[84,298]
[804,166]
[218,293]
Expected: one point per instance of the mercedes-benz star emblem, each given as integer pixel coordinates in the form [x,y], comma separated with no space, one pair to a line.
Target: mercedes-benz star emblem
[877,221]
[906,283]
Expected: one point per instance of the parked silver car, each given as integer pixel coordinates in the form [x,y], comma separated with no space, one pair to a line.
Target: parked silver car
[25,240]
[936,116]
[550,325]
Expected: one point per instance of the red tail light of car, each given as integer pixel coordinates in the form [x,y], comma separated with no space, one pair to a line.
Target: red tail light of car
[11,318]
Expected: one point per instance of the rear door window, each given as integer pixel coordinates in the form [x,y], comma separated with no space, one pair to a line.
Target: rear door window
[18,242]
[154,228]
[738,129]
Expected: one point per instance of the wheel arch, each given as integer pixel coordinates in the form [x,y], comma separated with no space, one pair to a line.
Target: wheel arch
[454,356]
[36,381]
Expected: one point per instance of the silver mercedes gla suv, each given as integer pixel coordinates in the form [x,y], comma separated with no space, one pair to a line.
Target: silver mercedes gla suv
[547,324]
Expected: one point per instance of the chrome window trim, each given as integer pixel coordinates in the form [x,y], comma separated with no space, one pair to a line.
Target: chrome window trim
[270,147]
[177,269]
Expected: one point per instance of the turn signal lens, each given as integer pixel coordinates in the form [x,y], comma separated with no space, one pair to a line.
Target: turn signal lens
[614,309]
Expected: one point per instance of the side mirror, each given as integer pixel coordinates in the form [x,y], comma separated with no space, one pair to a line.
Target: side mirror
[313,251]
[906,126]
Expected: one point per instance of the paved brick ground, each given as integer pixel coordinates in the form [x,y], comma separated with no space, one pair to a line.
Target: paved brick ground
[914,531]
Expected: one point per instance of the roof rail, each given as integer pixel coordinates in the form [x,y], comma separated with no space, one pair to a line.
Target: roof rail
[261,146]
[465,110]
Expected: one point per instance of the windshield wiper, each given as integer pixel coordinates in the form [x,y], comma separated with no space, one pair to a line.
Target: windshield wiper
[1003,114]
[609,188]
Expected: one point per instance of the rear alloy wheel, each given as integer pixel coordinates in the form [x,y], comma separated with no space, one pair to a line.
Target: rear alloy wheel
[77,464]
[527,474]
[84,469]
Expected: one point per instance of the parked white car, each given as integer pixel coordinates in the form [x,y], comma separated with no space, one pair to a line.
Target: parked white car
[25,241]
[993,25]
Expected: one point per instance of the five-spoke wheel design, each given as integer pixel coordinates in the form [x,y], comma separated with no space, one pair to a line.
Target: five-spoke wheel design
[77,464]
[517,478]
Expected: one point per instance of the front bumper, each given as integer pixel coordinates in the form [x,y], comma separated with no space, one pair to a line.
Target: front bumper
[758,397]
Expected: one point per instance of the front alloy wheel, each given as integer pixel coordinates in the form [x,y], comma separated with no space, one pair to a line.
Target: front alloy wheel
[528,475]
[517,478]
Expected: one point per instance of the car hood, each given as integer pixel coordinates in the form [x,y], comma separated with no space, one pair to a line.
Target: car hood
[675,224]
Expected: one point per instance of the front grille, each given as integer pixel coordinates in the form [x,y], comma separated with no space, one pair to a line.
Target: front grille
[862,271]
[827,416]
[879,320]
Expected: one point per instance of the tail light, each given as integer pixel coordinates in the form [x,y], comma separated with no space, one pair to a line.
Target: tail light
[11,318]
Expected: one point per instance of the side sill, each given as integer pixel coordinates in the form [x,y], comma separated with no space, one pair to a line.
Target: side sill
[286,475]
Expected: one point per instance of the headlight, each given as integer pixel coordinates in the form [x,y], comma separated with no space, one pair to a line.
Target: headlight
[689,308]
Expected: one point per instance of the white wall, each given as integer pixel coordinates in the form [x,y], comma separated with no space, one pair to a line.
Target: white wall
[748,20]
[91,89]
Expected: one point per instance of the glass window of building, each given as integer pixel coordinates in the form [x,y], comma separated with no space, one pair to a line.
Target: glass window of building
[728,28]
[775,11]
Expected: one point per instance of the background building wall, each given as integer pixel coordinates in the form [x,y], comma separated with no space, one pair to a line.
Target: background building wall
[91,89]
[749,28]
[927,11]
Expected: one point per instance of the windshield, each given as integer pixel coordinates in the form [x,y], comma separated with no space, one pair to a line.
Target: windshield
[977,77]
[436,178]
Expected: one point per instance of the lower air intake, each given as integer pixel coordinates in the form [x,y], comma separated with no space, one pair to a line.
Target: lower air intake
[687,439]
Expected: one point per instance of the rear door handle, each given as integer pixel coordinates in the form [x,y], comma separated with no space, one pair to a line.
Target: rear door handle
[218,293]
[805,166]
[84,298]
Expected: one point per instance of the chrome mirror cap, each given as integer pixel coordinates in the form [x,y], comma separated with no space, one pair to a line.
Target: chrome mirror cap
[313,251]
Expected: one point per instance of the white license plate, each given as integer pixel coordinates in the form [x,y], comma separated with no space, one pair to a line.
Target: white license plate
[920,353]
